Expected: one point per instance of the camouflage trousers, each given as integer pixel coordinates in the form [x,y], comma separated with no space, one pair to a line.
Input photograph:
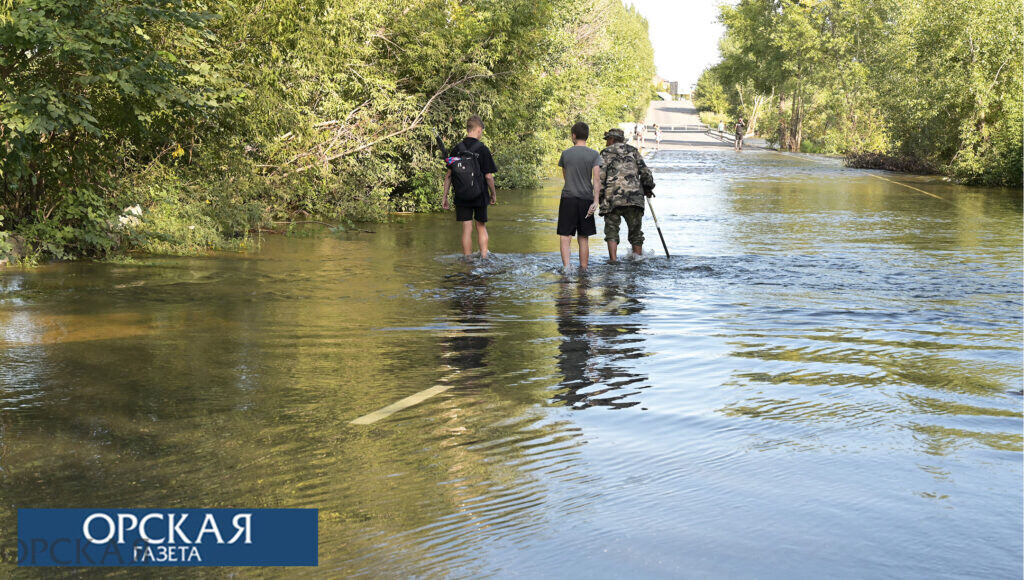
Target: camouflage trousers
[634,220]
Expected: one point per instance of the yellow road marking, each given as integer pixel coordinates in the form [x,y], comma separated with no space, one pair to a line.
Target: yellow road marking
[871,174]
[399,405]
[910,186]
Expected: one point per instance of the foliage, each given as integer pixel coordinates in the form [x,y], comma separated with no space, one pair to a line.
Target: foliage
[85,85]
[932,83]
[6,247]
[185,216]
[215,116]
[709,94]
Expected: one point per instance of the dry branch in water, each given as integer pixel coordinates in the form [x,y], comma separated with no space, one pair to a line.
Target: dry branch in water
[327,152]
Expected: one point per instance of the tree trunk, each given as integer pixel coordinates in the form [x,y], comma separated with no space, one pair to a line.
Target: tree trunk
[783,130]
[798,124]
[793,119]
[760,103]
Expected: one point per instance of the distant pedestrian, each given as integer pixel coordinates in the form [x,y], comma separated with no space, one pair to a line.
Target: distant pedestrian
[471,172]
[625,180]
[643,135]
[636,134]
[581,170]
[741,130]
[721,127]
[657,136]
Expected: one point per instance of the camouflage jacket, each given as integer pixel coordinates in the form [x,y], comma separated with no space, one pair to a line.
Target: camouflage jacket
[624,177]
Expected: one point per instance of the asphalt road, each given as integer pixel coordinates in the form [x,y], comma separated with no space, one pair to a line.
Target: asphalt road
[668,113]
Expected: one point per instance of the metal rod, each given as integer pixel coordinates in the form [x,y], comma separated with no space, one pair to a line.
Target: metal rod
[663,244]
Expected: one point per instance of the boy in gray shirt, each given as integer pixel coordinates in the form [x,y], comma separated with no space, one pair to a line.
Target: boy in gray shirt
[581,169]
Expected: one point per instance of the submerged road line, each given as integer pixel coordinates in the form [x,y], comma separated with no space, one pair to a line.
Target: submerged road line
[910,186]
[917,189]
[399,405]
[425,394]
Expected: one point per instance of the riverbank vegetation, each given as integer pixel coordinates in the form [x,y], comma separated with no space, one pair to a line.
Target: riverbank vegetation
[921,85]
[176,126]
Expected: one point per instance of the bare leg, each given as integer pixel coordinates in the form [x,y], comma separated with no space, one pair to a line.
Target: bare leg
[638,250]
[467,237]
[613,250]
[565,246]
[584,243]
[481,238]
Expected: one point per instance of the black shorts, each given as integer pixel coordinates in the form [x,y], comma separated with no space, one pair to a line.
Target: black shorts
[572,217]
[464,214]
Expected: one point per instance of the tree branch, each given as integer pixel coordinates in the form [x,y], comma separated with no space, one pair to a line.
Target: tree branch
[416,122]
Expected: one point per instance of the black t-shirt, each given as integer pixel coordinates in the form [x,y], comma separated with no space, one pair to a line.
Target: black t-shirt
[486,165]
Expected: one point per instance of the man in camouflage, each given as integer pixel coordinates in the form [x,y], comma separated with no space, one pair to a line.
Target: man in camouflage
[625,180]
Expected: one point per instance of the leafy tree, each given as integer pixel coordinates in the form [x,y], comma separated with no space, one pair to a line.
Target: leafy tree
[709,94]
[83,83]
[212,115]
[935,82]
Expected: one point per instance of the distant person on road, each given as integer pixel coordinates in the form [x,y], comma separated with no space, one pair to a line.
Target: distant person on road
[471,172]
[625,180]
[581,169]
[721,126]
[643,134]
[657,136]
[741,130]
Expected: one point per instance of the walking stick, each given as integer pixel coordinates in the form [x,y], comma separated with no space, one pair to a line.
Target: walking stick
[663,244]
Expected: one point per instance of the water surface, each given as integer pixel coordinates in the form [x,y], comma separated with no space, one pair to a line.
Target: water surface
[824,380]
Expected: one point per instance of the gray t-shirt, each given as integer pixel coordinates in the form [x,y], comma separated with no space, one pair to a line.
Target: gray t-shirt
[579,162]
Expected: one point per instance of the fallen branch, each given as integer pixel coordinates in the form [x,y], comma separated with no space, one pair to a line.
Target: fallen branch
[416,122]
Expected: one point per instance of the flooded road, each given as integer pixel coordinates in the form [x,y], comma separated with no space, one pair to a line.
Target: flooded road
[824,380]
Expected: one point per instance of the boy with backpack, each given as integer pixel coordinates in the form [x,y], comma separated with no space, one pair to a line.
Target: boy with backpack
[470,174]
[581,170]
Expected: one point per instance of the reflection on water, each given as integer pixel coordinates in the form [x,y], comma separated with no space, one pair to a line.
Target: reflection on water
[825,379]
[465,348]
[595,340]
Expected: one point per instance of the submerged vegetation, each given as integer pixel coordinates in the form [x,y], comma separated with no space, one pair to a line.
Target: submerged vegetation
[207,119]
[921,85]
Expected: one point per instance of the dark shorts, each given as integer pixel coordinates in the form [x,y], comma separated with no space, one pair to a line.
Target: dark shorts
[572,217]
[464,214]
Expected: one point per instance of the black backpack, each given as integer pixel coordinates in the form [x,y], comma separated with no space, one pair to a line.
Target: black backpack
[467,179]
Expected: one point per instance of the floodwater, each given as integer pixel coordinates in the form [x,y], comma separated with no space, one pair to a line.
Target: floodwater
[823,381]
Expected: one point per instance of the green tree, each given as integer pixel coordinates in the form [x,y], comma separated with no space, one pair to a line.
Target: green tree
[83,83]
[934,82]
[218,114]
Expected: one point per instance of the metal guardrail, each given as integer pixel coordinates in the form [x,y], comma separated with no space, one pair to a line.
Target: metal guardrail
[694,128]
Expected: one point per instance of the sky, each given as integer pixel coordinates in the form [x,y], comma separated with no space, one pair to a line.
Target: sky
[685,37]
